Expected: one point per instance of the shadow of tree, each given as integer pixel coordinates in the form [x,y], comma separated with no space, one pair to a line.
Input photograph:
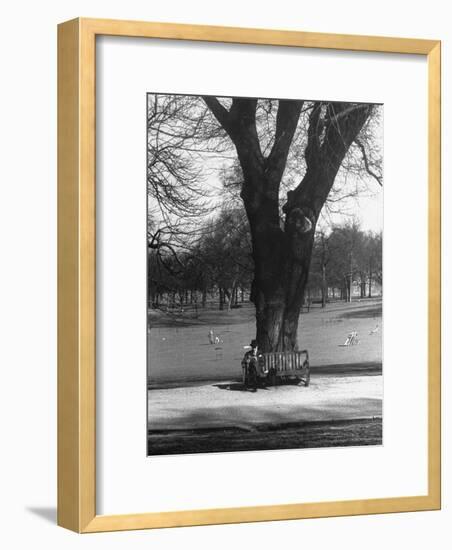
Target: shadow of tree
[204,419]
[368,313]
[342,433]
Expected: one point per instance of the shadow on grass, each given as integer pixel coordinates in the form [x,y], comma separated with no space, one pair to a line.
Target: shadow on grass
[204,317]
[370,368]
[367,313]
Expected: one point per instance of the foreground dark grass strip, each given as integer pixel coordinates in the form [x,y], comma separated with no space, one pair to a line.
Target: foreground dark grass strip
[269,437]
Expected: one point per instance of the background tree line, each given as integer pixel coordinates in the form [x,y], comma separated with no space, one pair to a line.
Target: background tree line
[343,258]
[218,269]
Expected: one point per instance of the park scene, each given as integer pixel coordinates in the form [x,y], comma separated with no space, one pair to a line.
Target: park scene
[265,274]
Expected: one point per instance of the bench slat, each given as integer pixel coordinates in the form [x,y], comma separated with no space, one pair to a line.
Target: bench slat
[285,361]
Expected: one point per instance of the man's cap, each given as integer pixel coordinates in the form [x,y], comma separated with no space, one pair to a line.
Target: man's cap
[253,343]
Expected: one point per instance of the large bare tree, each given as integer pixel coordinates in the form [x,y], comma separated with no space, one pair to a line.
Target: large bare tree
[282,248]
[290,153]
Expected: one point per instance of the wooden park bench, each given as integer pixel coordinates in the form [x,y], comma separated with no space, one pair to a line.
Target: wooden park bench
[284,364]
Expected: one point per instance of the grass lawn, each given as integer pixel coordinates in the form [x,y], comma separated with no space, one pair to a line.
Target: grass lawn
[361,432]
[179,350]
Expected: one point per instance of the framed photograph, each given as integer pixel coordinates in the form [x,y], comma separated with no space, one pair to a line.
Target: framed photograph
[248,275]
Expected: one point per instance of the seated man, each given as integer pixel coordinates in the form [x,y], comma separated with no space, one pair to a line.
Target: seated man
[250,365]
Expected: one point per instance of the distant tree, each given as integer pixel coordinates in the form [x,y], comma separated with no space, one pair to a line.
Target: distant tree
[344,257]
[344,243]
[225,254]
[319,274]
[373,259]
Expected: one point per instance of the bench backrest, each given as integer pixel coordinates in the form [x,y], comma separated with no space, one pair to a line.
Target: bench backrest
[285,360]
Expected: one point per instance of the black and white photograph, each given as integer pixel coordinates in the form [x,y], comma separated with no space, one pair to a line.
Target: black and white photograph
[264,273]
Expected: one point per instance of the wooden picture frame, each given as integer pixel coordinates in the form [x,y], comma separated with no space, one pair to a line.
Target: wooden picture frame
[77,268]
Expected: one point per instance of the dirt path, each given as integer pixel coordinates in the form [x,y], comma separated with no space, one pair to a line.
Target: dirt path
[332,411]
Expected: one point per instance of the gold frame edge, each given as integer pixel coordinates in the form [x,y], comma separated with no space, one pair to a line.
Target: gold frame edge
[76,274]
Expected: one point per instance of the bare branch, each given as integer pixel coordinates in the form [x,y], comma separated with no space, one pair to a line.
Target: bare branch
[366,163]
[220,113]
[286,125]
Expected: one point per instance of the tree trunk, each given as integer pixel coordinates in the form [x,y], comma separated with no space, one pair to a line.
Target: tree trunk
[346,292]
[231,296]
[282,260]
[236,295]
[324,286]
[276,323]
[151,295]
[363,285]
[350,281]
